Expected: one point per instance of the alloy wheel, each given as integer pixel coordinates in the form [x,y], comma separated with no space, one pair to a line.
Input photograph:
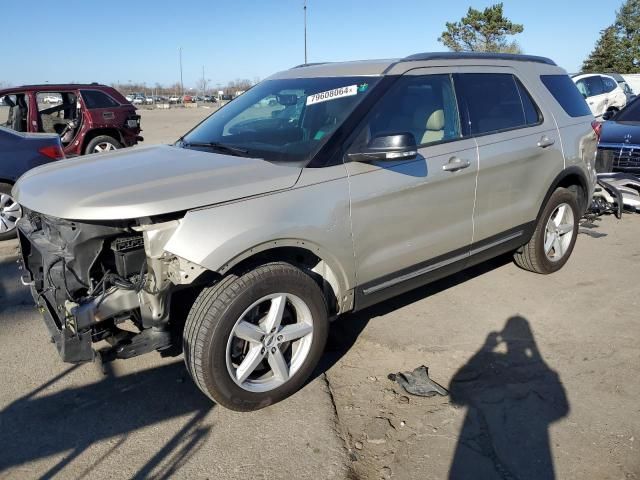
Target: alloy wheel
[559,232]
[104,147]
[10,213]
[269,342]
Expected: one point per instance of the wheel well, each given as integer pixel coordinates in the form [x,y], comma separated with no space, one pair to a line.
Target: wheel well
[304,259]
[112,132]
[576,184]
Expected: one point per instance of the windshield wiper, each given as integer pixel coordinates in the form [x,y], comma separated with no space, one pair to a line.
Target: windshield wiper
[216,146]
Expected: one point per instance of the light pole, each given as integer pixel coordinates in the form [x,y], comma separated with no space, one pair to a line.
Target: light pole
[181,84]
[305,31]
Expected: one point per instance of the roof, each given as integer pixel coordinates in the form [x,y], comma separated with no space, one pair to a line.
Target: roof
[381,67]
[52,87]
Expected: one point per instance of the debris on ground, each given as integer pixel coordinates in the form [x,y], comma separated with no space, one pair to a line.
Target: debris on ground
[418,382]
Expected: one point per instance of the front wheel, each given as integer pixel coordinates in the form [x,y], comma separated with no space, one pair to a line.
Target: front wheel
[554,237]
[253,340]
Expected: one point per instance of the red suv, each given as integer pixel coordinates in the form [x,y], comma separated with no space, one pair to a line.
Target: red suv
[89,118]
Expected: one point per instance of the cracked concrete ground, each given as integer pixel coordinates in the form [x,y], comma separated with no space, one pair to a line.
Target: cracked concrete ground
[542,374]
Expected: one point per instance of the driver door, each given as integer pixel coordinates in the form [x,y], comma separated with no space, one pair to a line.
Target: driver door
[412,220]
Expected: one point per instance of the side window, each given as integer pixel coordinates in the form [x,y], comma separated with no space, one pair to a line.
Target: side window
[422,105]
[14,112]
[593,85]
[532,113]
[492,102]
[609,84]
[97,99]
[567,94]
[582,88]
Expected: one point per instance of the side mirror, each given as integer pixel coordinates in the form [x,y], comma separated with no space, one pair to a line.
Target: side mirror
[397,146]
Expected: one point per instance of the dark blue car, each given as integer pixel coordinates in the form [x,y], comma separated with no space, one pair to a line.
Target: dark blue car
[619,147]
[20,152]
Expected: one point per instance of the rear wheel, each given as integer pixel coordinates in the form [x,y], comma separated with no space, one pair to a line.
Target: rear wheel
[253,340]
[102,143]
[10,212]
[554,237]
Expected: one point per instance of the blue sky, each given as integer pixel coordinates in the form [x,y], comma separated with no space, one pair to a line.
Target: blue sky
[88,40]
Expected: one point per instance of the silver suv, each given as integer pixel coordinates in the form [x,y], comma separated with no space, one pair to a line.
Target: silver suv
[322,190]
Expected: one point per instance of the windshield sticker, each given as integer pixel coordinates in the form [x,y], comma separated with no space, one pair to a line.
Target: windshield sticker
[332,94]
[363,87]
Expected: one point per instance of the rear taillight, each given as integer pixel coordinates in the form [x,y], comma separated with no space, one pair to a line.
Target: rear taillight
[597,128]
[53,152]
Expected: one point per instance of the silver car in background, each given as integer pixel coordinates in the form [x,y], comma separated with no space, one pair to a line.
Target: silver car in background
[322,190]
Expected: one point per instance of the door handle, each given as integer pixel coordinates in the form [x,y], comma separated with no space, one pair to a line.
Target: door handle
[545,142]
[455,164]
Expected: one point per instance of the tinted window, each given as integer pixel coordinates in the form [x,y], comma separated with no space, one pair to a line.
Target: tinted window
[608,84]
[531,111]
[590,86]
[491,102]
[97,99]
[422,105]
[566,94]
[631,113]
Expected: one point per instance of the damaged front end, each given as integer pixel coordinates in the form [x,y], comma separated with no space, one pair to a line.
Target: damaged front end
[110,281]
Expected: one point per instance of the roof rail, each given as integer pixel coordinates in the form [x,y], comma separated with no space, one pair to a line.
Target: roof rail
[477,56]
[309,64]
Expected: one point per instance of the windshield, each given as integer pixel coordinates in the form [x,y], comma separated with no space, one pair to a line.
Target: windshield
[629,114]
[284,120]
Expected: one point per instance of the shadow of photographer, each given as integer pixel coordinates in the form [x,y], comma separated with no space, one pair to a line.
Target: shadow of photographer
[512,397]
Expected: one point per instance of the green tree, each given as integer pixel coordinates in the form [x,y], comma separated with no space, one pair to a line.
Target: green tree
[618,48]
[482,31]
[605,56]
[628,27]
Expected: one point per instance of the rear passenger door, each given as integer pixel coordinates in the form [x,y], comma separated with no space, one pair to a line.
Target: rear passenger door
[518,149]
[412,218]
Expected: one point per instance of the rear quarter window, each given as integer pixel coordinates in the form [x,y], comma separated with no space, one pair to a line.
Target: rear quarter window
[566,94]
[97,99]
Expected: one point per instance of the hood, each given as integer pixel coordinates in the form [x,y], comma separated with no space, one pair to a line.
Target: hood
[146,181]
[620,132]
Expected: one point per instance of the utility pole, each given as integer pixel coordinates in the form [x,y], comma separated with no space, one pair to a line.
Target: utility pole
[181,84]
[204,84]
[305,31]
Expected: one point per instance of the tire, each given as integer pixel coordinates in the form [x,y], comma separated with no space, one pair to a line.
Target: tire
[534,256]
[248,373]
[102,141]
[10,213]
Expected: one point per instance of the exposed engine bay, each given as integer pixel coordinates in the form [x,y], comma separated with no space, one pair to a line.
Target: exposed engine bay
[110,282]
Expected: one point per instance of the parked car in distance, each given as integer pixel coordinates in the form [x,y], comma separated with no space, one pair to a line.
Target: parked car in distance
[175,99]
[187,99]
[52,99]
[20,153]
[619,147]
[602,93]
[251,231]
[89,118]
[626,88]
